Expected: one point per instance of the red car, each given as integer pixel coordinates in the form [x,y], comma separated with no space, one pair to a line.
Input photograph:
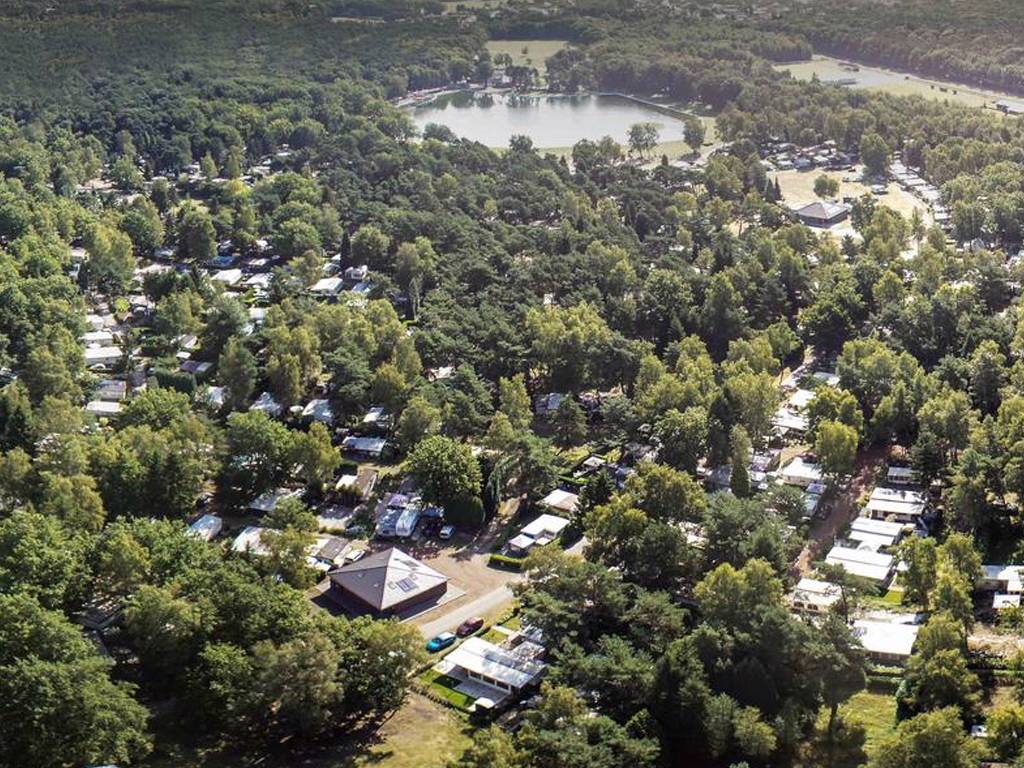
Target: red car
[469,626]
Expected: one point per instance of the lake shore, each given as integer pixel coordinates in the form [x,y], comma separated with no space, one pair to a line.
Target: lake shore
[552,120]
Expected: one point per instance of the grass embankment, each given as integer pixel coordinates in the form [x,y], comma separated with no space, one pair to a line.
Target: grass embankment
[422,734]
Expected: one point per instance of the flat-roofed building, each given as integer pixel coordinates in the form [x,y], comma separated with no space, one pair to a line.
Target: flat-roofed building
[207,527]
[540,532]
[801,473]
[371,447]
[901,476]
[103,408]
[900,504]
[876,534]
[560,501]
[864,563]
[814,596]
[102,356]
[1001,602]
[886,642]
[507,670]
[1008,579]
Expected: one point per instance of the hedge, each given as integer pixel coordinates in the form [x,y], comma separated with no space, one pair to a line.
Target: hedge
[504,561]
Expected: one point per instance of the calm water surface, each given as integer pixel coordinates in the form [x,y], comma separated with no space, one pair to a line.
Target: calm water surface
[551,121]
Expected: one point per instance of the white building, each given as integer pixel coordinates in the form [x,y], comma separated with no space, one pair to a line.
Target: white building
[540,532]
[229,278]
[266,403]
[864,563]
[560,501]
[902,505]
[377,417]
[215,397]
[886,642]
[1008,579]
[327,287]
[104,408]
[102,356]
[814,596]
[249,540]
[98,338]
[485,662]
[357,274]
[877,533]
[801,473]
[268,501]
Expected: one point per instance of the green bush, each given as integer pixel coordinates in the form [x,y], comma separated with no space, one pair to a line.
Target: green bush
[504,561]
[179,380]
[466,512]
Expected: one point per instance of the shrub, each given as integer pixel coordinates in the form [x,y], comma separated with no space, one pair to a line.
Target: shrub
[504,561]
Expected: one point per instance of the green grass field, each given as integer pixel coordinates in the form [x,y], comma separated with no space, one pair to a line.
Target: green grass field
[528,53]
[876,712]
[423,734]
[444,686]
[888,81]
[798,189]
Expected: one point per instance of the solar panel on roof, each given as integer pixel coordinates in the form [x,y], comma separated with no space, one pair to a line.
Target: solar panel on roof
[406,584]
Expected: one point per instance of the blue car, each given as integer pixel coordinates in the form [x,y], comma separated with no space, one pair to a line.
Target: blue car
[440,642]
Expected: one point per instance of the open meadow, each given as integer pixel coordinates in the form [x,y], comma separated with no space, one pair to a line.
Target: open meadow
[798,189]
[826,69]
[527,53]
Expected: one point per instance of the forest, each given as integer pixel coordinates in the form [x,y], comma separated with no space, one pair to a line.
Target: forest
[663,303]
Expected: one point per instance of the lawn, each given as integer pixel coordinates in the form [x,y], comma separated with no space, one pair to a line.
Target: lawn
[798,189]
[494,636]
[892,599]
[423,734]
[528,53]
[889,81]
[876,712]
[444,686]
[673,150]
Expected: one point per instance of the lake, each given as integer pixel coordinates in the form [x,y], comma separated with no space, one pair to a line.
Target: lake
[551,121]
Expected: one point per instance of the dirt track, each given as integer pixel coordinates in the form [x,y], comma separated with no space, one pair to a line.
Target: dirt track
[841,509]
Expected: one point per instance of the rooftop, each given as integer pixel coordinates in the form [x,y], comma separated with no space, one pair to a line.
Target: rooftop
[824,210]
[480,657]
[546,525]
[560,500]
[885,638]
[387,578]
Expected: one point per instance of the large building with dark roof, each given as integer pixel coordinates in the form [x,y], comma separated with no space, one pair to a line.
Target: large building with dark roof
[387,583]
[823,214]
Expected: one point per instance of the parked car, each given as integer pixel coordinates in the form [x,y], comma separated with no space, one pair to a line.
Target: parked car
[441,642]
[469,626]
[447,532]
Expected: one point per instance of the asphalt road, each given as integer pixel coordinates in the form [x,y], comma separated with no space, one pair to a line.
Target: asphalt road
[484,605]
